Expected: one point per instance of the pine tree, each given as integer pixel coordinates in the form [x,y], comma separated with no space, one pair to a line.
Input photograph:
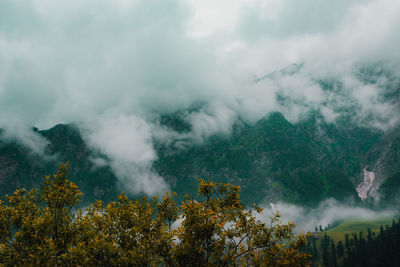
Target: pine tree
[340,249]
[333,251]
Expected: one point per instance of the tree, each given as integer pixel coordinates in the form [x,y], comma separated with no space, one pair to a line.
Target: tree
[38,227]
[220,230]
[333,251]
[340,249]
[42,228]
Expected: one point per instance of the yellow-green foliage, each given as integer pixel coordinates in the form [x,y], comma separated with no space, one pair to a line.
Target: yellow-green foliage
[41,228]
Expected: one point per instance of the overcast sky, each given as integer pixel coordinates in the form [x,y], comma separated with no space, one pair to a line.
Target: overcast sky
[111,65]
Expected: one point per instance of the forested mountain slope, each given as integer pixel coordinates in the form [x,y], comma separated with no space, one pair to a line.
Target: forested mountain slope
[272,160]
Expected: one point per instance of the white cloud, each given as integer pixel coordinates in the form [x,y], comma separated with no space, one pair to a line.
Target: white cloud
[328,212]
[215,118]
[126,141]
[18,130]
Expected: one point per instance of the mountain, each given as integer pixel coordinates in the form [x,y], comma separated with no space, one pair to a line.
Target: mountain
[302,163]
[19,167]
[274,160]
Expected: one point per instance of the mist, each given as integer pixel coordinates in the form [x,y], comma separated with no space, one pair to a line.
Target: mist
[111,67]
[326,213]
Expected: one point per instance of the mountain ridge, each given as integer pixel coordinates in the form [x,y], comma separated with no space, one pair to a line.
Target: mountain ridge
[273,160]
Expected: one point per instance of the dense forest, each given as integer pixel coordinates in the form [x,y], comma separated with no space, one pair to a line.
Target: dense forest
[358,249]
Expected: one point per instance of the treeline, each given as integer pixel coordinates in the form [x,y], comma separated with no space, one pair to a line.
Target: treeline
[42,227]
[382,250]
[358,249]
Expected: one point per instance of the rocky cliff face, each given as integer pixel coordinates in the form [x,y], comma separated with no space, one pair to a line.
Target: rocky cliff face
[367,187]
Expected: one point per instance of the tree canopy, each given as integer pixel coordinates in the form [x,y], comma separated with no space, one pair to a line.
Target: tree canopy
[44,227]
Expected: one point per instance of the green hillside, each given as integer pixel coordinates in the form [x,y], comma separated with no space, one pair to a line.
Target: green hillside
[355,226]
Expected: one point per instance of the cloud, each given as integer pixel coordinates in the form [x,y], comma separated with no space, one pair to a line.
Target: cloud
[74,61]
[328,212]
[117,135]
[215,118]
[18,131]
[126,141]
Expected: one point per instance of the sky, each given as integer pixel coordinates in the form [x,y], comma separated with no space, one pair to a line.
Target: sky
[112,66]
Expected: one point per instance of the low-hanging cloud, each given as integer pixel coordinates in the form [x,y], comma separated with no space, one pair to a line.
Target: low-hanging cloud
[112,66]
[16,130]
[126,141]
[327,213]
